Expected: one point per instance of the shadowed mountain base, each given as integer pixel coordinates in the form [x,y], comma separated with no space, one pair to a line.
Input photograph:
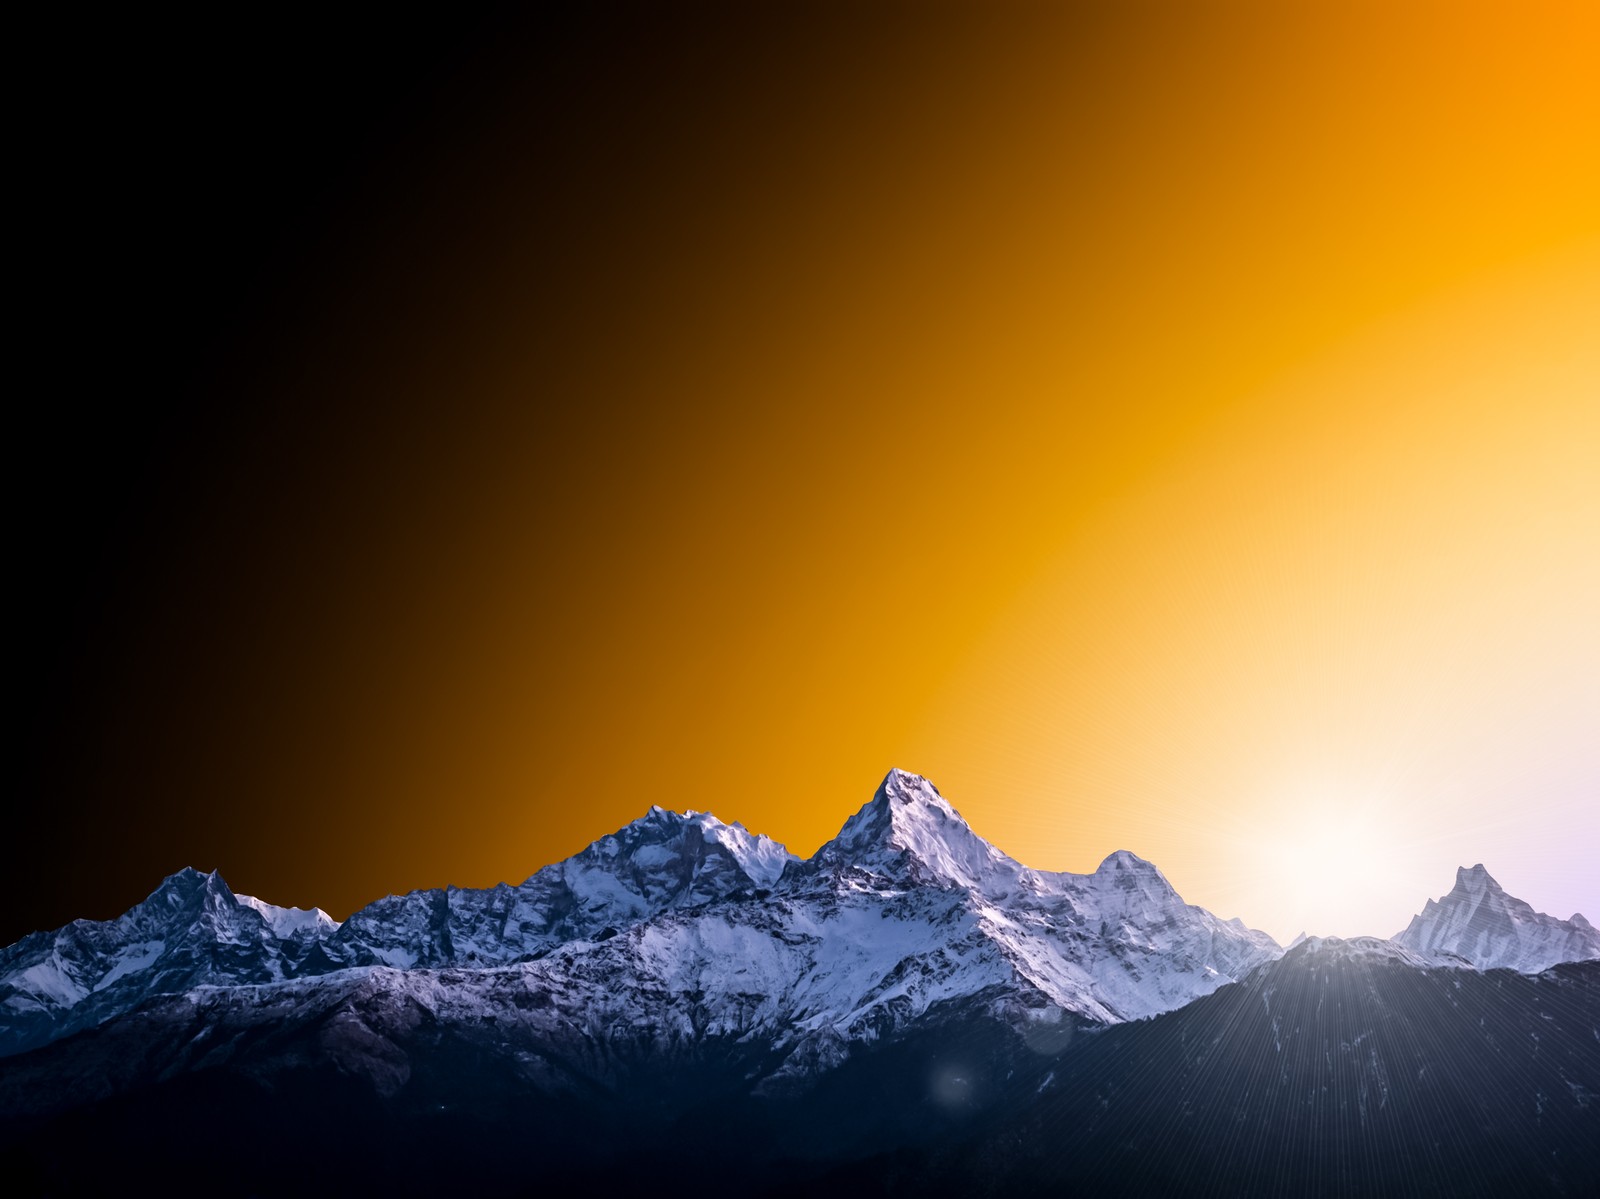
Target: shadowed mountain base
[1340,1069]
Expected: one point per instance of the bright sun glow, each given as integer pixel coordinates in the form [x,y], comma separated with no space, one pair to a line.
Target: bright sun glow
[1329,856]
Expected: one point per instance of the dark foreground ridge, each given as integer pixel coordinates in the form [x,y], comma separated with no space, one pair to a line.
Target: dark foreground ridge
[1326,1073]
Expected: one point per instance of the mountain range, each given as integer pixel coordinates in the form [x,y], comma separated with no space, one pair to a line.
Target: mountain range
[909,989]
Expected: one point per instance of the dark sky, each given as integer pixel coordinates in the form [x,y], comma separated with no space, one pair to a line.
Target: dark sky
[277,268]
[202,201]
[1162,425]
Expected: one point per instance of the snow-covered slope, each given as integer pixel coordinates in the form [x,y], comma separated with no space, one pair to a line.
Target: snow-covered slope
[1117,944]
[680,926]
[907,913]
[191,931]
[288,923]
[1478,922]
[661,861]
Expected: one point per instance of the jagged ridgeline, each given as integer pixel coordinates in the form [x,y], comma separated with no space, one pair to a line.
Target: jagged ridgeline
[909,1009]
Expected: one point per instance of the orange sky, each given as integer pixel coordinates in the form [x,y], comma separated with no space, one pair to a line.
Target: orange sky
[1169,427]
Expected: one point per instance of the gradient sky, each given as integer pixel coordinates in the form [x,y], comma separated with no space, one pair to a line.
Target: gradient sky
[1171,427]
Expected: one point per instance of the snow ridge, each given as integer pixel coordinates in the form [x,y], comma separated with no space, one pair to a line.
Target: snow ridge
[191,931]
[679,927]
[663,860]
[1476,921]
[905,911]
[1330,950]
[290,922]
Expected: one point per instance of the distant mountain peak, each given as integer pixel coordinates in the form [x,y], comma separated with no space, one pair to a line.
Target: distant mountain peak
[1479,922]
[1121,860]
[1348,949]
[189,880]
[1475,880]
[189,888]
[1129,872]
[692,835]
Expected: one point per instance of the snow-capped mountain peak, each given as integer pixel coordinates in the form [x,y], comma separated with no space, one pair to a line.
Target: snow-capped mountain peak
[191,930]
[1129,872]
[1481,924]
[662,861]
[187,888]
[690,838]
[910,832]
[1329,950]
[1115,944]
[1475,881]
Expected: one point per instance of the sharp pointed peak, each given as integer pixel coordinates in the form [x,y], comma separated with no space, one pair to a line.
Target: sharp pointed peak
[904,786]
[902,799]
[1476,880]
[1482,924]
[188,890]
[909,826]
[190,879]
